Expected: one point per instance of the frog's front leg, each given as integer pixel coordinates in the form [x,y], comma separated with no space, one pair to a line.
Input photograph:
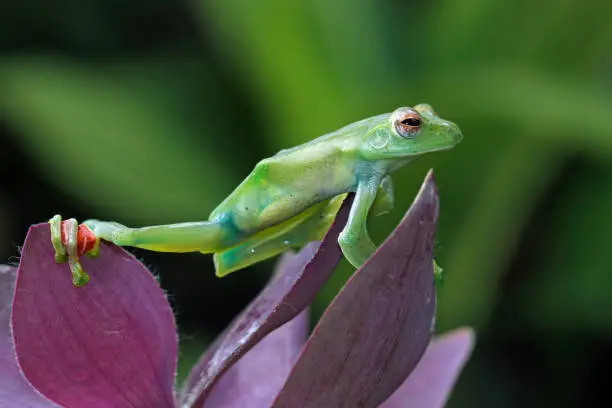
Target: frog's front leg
[354,240]
[383,203]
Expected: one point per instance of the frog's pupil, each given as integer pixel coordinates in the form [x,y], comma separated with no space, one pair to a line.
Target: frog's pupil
[411,122]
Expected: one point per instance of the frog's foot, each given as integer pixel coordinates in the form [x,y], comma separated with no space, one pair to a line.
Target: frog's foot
[71,240]
[438,276]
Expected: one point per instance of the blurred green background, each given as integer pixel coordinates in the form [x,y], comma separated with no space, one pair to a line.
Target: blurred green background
[150,112]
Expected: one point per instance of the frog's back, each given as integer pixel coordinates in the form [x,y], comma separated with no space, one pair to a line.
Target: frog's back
[294,179]
[353,131]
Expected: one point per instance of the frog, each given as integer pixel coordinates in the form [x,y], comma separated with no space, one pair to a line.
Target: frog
[290,198]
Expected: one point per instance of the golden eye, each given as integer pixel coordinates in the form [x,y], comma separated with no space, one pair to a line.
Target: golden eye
[408,123]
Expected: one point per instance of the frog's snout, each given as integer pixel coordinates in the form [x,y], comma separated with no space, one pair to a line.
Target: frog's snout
[453,132]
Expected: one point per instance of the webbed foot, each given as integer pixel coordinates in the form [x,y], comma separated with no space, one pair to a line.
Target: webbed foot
[71,240]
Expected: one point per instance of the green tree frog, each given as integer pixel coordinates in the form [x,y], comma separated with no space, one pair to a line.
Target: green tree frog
[292,197]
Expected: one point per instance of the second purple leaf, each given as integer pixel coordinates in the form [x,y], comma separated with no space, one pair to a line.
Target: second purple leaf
[376,330]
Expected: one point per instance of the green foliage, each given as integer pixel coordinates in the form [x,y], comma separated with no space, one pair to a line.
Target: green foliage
[160,137]
[116,137]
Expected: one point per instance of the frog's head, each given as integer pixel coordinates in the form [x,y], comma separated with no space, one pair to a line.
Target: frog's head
[410,132]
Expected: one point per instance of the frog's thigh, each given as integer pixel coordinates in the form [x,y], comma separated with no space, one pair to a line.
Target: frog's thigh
[308,226]
[278,209]
[256,209]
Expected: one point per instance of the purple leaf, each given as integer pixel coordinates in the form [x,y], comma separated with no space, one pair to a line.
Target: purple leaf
[111,343]
[14,389]
[257,377]
[431,382]
[376,330]
[289,293]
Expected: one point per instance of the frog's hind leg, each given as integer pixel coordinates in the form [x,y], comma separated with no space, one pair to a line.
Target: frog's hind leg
[294,233]
[206,236]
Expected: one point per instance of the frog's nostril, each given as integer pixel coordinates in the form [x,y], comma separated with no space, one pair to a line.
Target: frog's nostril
[453,131]
[458,135]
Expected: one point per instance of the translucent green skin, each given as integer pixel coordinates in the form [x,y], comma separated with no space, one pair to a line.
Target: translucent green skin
[292,197]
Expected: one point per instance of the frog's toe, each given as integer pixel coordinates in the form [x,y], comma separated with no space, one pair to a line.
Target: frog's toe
[79,277]
[70,240]
[56,239]
[438,275]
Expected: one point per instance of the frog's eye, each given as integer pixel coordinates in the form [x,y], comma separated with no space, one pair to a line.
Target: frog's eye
[407,123]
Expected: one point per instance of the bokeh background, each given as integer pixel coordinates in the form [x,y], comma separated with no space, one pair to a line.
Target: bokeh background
[150,112]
